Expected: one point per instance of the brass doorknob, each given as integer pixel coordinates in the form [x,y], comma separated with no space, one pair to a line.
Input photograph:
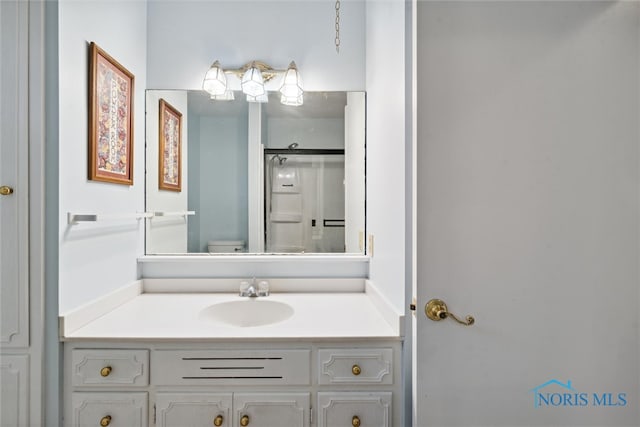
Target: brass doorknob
[105,371]
[5,190]
[356,370]
[105,421]
[437,310]
[355,421]
[218,421]
[244,421]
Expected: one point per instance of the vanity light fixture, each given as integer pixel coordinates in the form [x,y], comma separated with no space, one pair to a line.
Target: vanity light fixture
[253,77]
[215,82]
[252,81]
[294,101]
[258,98]
[291,89]
[226,96]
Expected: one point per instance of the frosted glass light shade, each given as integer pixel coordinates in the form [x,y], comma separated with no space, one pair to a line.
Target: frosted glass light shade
[259,98]
[252,81]
[215,82]
[226,96]
[292,82]
[294,101]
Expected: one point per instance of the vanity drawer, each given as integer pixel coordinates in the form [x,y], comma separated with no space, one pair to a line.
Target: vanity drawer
[355,366]
[231,367]
[109,409]
[354,409]
[96,367]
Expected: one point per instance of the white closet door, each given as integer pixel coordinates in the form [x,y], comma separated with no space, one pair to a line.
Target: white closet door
[14,316]
[15,372]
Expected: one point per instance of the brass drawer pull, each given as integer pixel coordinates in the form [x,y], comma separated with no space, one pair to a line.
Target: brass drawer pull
[105,421]
[105,371]
[244,421]
[218,421]
[355,421]
[356,370]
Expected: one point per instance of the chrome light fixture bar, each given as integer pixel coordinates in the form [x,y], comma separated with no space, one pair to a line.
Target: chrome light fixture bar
[253,77]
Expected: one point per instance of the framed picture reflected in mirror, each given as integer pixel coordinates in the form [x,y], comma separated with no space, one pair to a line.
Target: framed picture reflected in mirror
[170,148]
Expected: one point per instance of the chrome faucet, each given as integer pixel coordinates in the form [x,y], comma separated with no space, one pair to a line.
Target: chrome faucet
[251,289]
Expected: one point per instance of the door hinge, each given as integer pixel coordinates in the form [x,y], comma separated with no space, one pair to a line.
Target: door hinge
[310,415]
[154,413]
[413,305]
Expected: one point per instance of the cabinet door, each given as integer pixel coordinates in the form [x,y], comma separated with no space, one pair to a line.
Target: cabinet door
[14,213]
[271,409]
[109,409]
[193,409]
[354,409]
[14,377]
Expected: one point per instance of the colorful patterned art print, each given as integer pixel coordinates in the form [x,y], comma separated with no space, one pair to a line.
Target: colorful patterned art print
[170,148]
[111,124]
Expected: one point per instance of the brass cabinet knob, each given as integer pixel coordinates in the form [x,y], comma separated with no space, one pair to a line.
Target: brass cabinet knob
[355,421]
[105,421]
[356,370]
[218,421]
[437,310]
[105,371]
[244,421]
[5,190]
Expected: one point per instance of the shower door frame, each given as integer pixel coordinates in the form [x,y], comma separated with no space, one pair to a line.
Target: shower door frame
[289,151]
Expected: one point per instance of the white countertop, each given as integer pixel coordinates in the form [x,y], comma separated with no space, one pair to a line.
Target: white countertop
[175,316]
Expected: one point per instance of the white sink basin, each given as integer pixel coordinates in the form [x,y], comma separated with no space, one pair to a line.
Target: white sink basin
[248,312]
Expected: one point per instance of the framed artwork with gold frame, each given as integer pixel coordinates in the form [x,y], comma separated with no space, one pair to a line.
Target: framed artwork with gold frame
[110,119]
[170,148]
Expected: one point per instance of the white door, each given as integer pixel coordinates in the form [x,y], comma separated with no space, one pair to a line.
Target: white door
[528,213]
[14,280]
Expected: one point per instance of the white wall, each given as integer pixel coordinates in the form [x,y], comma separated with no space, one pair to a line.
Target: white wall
[185,37]
[354,171]
[166,234]
[97,258]
[386,145]
[308,133]
[223,197]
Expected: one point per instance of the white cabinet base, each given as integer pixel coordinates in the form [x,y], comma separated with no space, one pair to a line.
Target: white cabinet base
[268,384]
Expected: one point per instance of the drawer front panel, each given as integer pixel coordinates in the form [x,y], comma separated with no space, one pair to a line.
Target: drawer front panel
[355,366]
[193,409]
[348,409]
[97,367]
[229,367]
[272,410]
[109,409]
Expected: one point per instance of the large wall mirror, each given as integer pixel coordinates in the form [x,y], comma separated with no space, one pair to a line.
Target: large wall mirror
[241,177]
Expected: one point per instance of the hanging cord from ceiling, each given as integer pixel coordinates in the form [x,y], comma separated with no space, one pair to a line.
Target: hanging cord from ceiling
[337,40]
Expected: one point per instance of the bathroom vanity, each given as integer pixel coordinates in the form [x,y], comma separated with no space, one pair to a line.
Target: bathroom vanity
[148,356]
